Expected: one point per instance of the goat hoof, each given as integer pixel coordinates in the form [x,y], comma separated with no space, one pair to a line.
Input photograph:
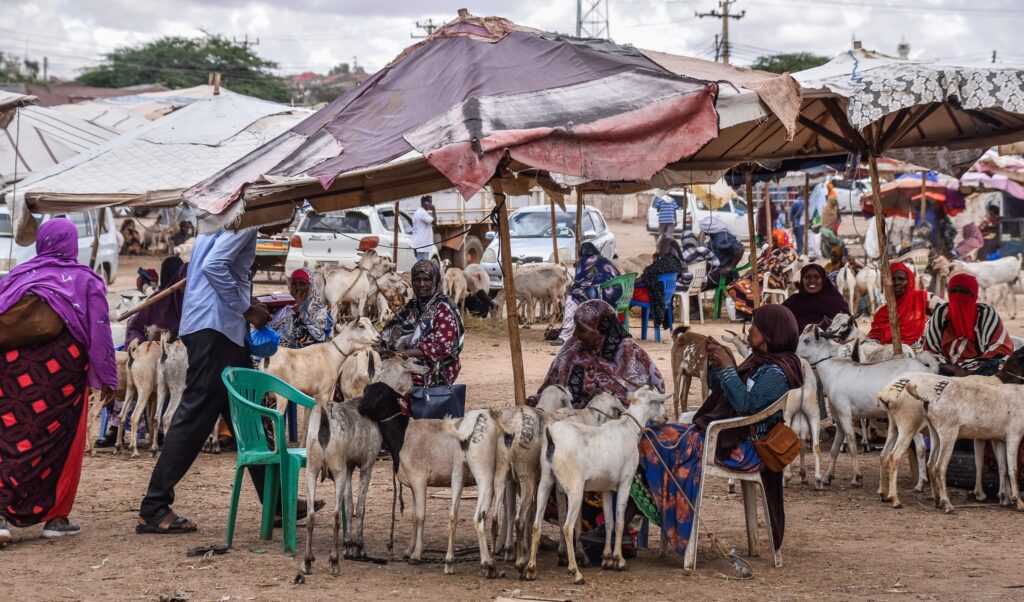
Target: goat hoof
[490,572]
[607,563]
[413,561]
[949,509]
[578,580]
[896,505]
[530,574]
[621,565]
[449,568]
[563,560]
[857,482]
[919,488]
[307,565]
[300,579]
[818,485]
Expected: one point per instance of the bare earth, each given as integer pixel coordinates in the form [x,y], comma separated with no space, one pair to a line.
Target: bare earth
[840,543]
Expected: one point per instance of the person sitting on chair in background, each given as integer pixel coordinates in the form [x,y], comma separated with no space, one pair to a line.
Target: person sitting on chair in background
[308,321]
[816,299]
[216,316]
[912,309]
[724,244]
[423,228]
[666,205]
[990,233]
[668,260]
[592,270]
[968,336]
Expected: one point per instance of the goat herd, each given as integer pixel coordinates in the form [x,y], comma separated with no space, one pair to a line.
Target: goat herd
[516,456]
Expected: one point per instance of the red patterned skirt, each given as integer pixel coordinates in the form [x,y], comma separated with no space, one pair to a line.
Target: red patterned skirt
[43,408]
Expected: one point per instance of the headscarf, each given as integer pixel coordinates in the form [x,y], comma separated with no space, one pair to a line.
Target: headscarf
[669,261]
[416,319]
[781,239]
[592,270]
[168,268]
[668,247]
[619,366]
[301,326]
[713,225]
[74,291]
[911,309]
[300,274]
[778,326]
[963,308]
[164,314]
[813,308]
[972,241]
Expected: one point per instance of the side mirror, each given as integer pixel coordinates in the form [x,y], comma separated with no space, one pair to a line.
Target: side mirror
[589,235]
[491,235]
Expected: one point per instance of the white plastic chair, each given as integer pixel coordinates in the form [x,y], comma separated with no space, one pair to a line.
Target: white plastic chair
[698,270]
[749,481]
[767,293]
[919,260]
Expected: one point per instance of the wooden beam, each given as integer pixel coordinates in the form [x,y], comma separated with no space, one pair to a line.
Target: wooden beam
[913,123]
[515,345]
[754,280]
[898,120]
[807,213]
[890,294]
[394,244]
[554,233]
[844,125]
[826,133]
[579,220]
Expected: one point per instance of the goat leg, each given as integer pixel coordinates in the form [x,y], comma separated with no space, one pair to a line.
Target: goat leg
[453,521]
[620,522]
[543,491]
[346,486]
[338,506]
[574,497]
[606,556]
[311,476]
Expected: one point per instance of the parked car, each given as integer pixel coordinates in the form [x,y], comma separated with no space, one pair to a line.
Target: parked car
[333,239]
[530,238]
[848,193]
[11,254]
[733,213]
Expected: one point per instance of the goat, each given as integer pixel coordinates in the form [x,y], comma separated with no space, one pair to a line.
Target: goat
[314,370]
[455,286]
[974,408]
[338,440]
[352,287]
[852,391]
[430,453]
[170,381]
[1002,295]
[143,363]
[96,408]
[357,371]
[521,451]
[579,458]
[1005,270]
[689,360]
[477,279]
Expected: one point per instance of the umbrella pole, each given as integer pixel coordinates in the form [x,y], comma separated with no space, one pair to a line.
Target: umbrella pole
[890,294]
[515,345]
[554,234]
[394,243]
[807,214]
[769,224]
[579,220]
[924,188]
[96,238]
[754,280]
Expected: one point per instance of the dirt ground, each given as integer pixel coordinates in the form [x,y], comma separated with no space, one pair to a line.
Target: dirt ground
[841,543]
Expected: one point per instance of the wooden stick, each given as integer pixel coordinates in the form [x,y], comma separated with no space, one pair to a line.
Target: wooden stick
[579,220]
[554,233]
[890,294]
[394,244]
[754,281]
[769,225]
[515,345]
[924,189]
[807,214]
[141,306]
[96,238]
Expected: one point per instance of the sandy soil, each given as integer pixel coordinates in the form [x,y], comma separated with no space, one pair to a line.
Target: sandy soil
[840,542]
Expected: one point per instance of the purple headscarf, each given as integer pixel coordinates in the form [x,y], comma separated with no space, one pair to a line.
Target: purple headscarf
[72,290]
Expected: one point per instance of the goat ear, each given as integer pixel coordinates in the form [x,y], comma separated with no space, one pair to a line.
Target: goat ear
[817,333]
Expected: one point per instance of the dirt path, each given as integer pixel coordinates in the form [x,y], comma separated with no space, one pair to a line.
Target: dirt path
[840,543]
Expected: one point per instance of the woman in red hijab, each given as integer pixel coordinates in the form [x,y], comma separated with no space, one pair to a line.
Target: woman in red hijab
[968,336]
[911,309]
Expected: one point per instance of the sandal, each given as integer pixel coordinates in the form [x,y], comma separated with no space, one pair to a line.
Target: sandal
[179,525]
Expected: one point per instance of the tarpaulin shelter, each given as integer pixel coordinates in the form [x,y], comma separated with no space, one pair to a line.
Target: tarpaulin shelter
[11,102]
[125,113]
[37,138]
[975,179]
[154,164]
[480,93]
[903,195]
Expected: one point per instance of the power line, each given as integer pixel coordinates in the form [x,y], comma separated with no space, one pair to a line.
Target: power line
[725,16]
[887,7]
[430,27]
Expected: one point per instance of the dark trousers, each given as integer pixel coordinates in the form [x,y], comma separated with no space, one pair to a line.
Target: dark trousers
[666,229]
[204,399]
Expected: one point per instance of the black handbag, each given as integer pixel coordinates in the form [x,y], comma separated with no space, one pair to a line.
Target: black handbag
[438,402]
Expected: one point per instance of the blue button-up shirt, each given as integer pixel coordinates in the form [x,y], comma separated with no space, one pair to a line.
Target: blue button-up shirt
[219,286]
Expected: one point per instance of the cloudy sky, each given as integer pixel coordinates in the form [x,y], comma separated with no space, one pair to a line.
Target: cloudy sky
[313,35]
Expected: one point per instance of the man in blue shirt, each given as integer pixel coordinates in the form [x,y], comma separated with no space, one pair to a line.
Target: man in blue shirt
[666,206]
[796,217]
[216,315]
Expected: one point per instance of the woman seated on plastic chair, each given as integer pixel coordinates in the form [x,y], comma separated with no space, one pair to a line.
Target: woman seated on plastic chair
[600,357]
[649,289]
[592,270]
[766,375]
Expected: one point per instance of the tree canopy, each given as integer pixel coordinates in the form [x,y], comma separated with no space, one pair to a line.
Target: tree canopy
[788,62]
[180,62]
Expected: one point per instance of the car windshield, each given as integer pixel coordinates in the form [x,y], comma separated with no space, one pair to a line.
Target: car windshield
[536,224]
[352,222]
[5,225]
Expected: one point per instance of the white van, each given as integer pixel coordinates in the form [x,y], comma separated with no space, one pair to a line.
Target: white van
[733,213]
[11,254]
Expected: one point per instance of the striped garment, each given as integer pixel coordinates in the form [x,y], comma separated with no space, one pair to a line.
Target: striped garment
[991,340]
[667,207]
[692,255]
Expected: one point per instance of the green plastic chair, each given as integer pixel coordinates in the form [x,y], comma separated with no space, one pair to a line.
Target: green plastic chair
[720,290]
[627,282]
[246,390]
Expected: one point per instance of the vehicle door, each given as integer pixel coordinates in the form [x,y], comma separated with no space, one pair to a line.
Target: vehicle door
[604,239]
[406,256]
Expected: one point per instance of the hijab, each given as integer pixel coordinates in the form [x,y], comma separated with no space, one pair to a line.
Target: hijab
[813,308]
[592,270]
[416,319]
[165,313]
[168,268]
[778,326]
[972,241]
[668,247]
[911,309]
[963,307]
[74,291]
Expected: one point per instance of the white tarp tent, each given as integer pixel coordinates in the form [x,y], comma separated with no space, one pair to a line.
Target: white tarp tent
[154,164]
[125,113]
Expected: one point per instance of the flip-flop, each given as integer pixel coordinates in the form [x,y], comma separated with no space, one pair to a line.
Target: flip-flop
[175,528]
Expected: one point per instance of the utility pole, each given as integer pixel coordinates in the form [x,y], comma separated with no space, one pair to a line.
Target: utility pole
[724,15]
[46,67]
[430,27]
[592,19]
[993,57]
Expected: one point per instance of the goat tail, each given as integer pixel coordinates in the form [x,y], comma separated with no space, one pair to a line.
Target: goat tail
[680,330]
[450,426]
[549,448]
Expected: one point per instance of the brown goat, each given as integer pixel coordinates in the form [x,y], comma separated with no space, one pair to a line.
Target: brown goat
[689,360]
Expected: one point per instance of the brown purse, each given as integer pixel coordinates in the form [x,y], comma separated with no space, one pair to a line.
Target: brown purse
[28,322]
[779,447]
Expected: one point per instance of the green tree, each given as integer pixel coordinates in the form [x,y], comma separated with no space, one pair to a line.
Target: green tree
[13,69]
[340,68]
[180,62]
[790,62]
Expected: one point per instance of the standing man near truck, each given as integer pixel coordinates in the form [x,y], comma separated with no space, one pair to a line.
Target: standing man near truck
[666,206]
[423,228]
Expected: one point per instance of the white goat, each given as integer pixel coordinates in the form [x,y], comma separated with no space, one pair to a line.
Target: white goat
[170,380]
[352,288]
[852,391]
[140,394]
[455,286]
[580,458]
[338,441]
[477,279]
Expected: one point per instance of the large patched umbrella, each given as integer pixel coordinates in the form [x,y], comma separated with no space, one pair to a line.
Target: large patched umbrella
[483,100]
